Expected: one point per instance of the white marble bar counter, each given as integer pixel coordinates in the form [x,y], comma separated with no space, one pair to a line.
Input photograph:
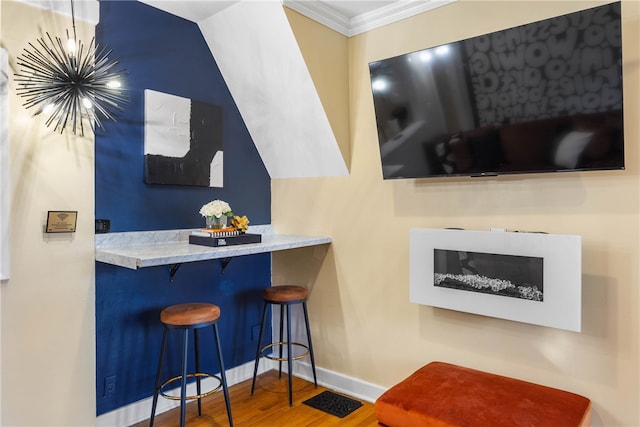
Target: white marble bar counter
[138,249]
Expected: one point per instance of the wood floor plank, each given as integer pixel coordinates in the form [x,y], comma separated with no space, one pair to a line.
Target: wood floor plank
[268,407]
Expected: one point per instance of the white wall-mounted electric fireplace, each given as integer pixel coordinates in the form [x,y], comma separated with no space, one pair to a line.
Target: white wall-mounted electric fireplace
[526,277]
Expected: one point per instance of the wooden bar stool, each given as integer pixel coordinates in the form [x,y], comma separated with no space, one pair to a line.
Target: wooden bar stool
[185,317]
[285,296]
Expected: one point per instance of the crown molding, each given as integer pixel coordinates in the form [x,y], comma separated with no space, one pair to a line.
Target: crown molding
[321,13]
[385,15]
[392,13]
[89,11]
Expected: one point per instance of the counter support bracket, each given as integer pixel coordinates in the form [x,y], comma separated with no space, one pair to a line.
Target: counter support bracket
[175,267]
[224,262]
[173,270]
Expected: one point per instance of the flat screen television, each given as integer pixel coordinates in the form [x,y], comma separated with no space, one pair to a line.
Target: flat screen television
[541,97]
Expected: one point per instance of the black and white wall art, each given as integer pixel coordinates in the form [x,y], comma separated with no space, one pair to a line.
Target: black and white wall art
[526,277]
[183,142]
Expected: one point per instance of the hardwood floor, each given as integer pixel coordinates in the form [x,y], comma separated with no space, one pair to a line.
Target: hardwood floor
[268,407]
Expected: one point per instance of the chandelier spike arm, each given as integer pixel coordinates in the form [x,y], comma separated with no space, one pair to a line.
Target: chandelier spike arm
[62,61]
[104,112]
[36,65]
[74,112]
[62,103]
[88,58]
[37,62]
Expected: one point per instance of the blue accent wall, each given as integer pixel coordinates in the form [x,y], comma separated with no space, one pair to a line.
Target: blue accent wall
[168,54]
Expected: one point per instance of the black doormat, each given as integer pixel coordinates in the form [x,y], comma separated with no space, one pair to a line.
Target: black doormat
[333,404]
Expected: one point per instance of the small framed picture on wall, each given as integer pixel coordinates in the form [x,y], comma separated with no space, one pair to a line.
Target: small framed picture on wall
[61,221]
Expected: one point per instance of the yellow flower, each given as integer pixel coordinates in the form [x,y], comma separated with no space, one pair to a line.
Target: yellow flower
[240,223]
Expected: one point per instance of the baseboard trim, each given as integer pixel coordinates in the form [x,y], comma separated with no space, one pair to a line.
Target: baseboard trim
[141,410]
[341,383]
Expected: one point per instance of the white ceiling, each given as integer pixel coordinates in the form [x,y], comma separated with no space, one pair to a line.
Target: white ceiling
[351,9]
[349,17]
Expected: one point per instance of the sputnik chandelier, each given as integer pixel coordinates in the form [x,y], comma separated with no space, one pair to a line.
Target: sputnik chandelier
[72,84]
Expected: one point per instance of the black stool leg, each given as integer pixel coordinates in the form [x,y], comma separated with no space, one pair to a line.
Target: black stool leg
[223,376]
[196,346]
[259,351]
[156,390]
[281,340]
[183,389]
[313,361]
[289,358]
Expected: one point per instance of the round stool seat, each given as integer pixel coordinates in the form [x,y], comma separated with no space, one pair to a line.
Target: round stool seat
[280,294]
[190,314]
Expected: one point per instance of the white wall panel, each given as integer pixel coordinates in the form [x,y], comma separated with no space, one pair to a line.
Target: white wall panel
[259,58]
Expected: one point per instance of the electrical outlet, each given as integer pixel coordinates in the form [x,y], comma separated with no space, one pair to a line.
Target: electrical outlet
[109,386]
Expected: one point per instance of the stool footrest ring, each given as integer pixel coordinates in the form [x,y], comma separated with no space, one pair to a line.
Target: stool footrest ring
[284,344]
[193,375]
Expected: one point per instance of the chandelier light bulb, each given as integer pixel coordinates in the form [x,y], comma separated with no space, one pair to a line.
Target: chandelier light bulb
[71,46]
[48,108]
[87,103]
[114,84]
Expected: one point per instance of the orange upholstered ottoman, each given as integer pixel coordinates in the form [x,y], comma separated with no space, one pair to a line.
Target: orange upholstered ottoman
[445,395]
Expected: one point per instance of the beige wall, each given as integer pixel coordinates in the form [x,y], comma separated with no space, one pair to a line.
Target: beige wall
[47,311]
[326,54]
[363,323]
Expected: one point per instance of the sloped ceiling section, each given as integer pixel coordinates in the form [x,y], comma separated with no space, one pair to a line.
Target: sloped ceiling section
[263,67]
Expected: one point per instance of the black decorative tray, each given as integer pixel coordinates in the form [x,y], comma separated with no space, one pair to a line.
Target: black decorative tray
[240,239]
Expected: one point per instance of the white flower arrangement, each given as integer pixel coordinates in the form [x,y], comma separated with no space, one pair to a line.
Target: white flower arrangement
[216,208]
